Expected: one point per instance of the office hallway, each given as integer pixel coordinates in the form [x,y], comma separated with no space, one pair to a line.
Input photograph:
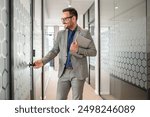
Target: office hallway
[89,93]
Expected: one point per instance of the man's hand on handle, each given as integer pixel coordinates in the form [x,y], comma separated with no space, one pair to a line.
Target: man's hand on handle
[38,64]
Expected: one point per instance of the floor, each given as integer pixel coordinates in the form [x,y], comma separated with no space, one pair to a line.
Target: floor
[89,93]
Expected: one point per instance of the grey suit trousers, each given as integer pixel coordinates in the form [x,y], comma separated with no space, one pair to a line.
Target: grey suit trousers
[68,81]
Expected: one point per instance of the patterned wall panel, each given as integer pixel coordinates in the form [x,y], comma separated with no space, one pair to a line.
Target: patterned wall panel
[105,38]
[4,32]
[128,55]
[124,47]
[21,48]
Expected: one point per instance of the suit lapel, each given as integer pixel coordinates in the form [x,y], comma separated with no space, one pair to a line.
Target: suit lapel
[65,41]
[77,33]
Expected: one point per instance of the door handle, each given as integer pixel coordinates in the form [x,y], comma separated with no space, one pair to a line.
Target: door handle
[31,64]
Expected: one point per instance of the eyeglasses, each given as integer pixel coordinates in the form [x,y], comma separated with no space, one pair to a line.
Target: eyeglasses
[66,19]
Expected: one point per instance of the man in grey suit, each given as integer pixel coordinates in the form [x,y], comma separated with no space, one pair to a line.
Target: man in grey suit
[73,68]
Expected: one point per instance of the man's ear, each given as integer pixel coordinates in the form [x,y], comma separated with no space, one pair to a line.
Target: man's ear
[74,18]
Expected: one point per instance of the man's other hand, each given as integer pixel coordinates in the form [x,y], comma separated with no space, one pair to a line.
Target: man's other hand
[74,46]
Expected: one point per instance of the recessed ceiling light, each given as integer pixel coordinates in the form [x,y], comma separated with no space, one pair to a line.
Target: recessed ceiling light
[116,7]
[69,5]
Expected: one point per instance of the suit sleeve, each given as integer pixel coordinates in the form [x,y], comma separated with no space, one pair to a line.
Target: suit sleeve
[91,50]
[52,53]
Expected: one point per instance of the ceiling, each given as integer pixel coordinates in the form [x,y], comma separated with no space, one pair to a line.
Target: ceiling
[53,9]
[126,10]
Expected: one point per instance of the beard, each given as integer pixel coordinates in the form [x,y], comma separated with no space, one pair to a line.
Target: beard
[65,26]
[68,26]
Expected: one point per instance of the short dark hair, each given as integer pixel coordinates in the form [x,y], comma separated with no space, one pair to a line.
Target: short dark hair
[72,11]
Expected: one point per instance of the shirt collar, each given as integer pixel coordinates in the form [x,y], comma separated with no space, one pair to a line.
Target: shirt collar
[73,30]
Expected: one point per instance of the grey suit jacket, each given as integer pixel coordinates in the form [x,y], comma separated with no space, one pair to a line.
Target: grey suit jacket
[79,64]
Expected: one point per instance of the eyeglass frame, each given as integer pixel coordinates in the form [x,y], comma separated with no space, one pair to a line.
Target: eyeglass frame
[66,18]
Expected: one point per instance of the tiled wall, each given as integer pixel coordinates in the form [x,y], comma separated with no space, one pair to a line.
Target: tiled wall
[4,36]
